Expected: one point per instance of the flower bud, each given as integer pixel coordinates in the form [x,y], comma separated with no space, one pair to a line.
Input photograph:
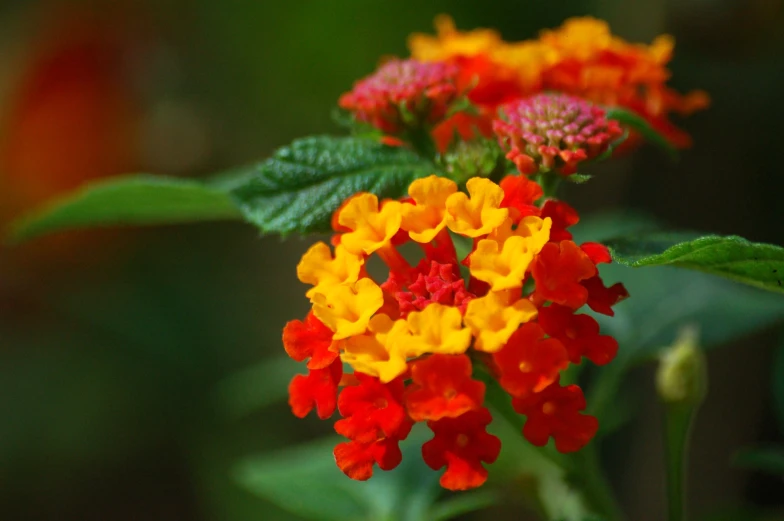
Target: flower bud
[682,377]
[554,132]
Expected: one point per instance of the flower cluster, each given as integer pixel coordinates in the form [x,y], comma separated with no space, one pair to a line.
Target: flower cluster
[403,93]
[581,58]
[422,345]
[554,131]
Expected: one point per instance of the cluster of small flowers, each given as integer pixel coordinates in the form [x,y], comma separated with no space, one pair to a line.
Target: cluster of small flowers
[415,342]
[559,77]
[581,58]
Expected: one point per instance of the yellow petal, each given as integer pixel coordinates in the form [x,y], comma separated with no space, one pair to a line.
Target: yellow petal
[501,266]
[492,320]
[371,228]
[319,268]
[424,220]
[437,329]
[478,214]
[347,309]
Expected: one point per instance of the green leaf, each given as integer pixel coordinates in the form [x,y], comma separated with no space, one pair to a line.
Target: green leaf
[306,481]
[639,124]
[255,387]
[128,200]
[301,185]
[733,257]
[579,179]
[766,459]
[664,299]
[463,504]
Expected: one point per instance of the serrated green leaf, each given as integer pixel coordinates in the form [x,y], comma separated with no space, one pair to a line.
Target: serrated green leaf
[639,124]
[756,264]
[766,459]
[579,179]
[299,188]
[128,200]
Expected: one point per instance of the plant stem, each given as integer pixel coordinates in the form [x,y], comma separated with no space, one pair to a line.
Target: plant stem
[550,181]
[422,142]
[677,426]
[595,486]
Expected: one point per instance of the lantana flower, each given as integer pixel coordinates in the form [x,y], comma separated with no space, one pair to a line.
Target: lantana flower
[403,93]
[414,343]
[554,132]
[581,58]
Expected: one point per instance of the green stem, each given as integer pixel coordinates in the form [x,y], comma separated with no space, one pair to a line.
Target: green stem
[677,426]
[595,486]
[550,181]
[422,141]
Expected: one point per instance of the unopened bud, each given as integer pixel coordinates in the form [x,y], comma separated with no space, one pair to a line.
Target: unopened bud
[476,158]
[682,376]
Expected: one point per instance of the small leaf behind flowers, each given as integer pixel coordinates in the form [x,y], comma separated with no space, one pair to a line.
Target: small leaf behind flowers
[639,124]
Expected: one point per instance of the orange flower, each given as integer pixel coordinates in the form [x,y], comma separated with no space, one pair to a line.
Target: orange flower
[580,58]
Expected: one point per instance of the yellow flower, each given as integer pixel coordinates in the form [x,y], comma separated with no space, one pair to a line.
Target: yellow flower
[527,60]
[371,228]
[579,38]
[535,229]
[380,353]
[427,218]
[346,309]
[437,329]
[450,42]
[481,213]
[492,320]
[317,267]
[502,266]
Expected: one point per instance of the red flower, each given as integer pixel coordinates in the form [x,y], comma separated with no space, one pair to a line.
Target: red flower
[563,217]
[598,253]
[558,270]
[601,298]
[528,362]
[309,339]
[462,444]
[318,389]
[373,410]
[442,387]
[356,459]
[578,333]
[433,282]
[555,412]
[520,193]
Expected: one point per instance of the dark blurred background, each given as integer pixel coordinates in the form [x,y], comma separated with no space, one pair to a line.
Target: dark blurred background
[115,344]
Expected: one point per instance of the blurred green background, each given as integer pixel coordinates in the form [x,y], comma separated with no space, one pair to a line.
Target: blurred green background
[130,381]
